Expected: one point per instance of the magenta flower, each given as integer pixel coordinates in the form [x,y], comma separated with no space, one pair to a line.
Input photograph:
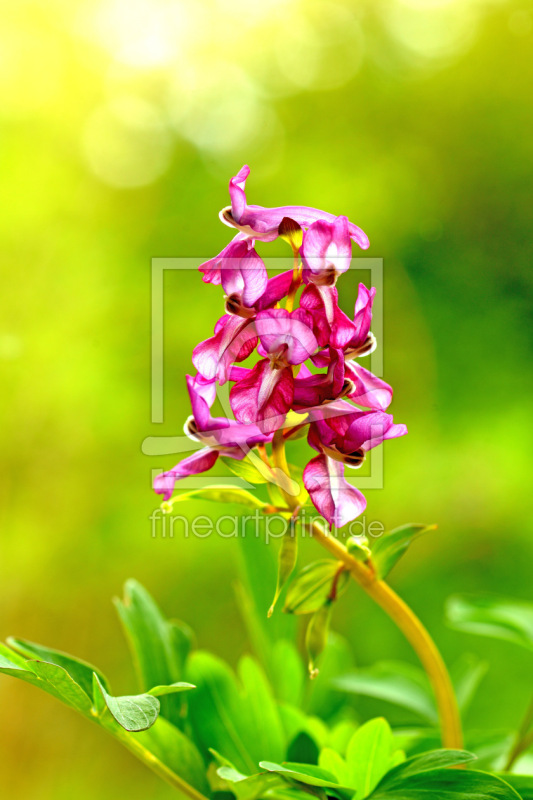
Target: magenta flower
[217,431]
[326,251]
[346,434]
[263,223]
[234,340]
[338,501]
[201,461]
[343,379]
[241,272]
[277,288]
[342,435]
[221,436]
[362,341]
[331,326]
[266,393]
[368,390]
[314,390]
[312,333]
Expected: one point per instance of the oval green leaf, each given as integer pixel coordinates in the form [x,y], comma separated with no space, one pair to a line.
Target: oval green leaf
[312,587]
[132,712]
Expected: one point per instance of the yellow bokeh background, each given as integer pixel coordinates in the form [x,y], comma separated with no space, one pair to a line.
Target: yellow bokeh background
[121,123]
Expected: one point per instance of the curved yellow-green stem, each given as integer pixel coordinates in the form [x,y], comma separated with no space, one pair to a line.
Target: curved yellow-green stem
[411,627]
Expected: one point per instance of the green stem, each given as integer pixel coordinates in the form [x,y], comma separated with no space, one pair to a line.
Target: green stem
[148,758]
[523,739]
[413,630]
[406,620]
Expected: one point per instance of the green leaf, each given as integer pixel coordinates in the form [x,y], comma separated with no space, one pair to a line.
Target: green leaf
[159,647]
[51,678]
[388,549]
[312,587]
[133,713]
[247,470]
[219,494]
[259,570]
[334,763]
[340,734]
[287,556]
[11,663]
[219,716]
[304,773]
[466,676]
[316,638]
[158,691]
[174,749]
[80,671]
[247,787]
[303,749]
[269,736]
[368,755]
[323,698]
[393,681]
[57,681]
[447,784]
[490,615]
[296,722]
[425,762]
[523,784]
[288,674]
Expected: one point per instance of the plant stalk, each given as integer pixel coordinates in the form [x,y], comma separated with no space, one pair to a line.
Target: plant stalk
[523,739]
[413,630]
[160,769]
[406,620]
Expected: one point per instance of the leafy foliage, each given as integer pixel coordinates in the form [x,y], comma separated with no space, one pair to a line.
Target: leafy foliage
[388,549]
[490,615]
[262,732]
[407,686]
[313,587]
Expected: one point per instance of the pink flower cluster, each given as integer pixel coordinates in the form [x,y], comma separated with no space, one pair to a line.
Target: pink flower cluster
[307,355]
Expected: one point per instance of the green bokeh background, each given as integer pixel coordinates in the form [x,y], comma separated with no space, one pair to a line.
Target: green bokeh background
[121,125]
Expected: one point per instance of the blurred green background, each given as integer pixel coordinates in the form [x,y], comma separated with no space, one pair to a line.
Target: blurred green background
[121,125]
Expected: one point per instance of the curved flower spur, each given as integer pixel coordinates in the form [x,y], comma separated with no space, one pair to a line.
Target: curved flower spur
[306,381]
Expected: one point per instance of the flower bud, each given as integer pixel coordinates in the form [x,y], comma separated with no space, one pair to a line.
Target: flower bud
[316,637]
[358,547]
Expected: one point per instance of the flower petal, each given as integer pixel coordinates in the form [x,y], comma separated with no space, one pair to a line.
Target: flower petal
[362,315]
[289,332]
[264,396]
[263,223]
[202,393]
[315,390]
[326,251]
[237,192]
[331,326]
[211,268]
[200,461]
[370,391]
[369,430]
[234,340]
[243,273]
[277,288]
[332,496]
